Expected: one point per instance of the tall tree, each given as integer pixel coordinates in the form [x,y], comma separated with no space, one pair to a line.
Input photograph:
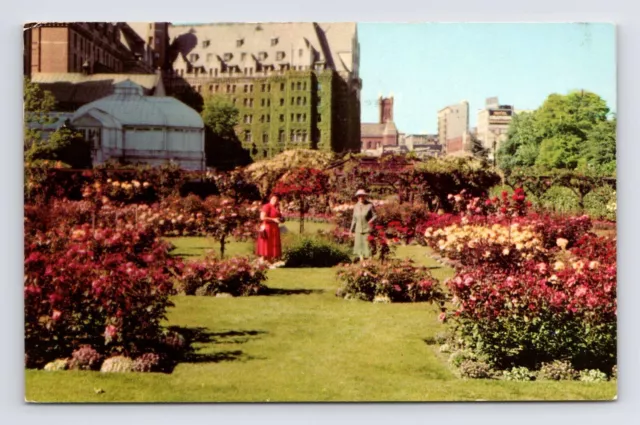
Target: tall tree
[38,105]
[222,146]
[522,144]
[600,150]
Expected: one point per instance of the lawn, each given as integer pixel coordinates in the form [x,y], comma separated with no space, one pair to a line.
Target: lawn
[302,344]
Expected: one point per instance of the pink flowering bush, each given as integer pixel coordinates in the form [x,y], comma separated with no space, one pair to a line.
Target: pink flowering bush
[107,287]
[542,312]
[397,281]
[236,276]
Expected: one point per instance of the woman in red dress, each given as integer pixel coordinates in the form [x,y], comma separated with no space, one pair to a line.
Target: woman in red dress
[269,247]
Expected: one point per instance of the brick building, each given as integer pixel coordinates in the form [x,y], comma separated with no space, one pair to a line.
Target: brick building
[296,85]
[92,47]
[384,133]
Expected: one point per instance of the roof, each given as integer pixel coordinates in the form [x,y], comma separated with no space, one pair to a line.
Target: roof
[332,43]
[128,106]
[74,89]
[377,130]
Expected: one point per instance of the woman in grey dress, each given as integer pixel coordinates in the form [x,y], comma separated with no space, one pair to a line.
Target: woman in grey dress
[363,218]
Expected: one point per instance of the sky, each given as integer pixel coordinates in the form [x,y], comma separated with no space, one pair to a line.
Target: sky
[429,66]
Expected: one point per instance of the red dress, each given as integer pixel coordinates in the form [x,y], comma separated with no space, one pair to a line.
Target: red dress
[269,247]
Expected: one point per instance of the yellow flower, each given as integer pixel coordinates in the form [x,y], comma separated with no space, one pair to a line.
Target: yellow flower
[562,243]
[594,265]
[559,265]
[505,251]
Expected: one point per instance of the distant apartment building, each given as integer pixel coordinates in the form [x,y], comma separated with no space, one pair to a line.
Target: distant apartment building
[453,129]
[93,47]
[296,85]
[493,124]
[382,134]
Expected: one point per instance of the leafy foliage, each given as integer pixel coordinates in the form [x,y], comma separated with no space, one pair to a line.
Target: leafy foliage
[309,251]
[399,281]
[235,276]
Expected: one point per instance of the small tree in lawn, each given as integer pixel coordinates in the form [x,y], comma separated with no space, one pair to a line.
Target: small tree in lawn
[301,184]
[227,219]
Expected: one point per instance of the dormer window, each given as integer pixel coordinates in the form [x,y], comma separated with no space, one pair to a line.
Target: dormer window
[239,42]
[206,43]
[227,56]
[274,41]
[279,56]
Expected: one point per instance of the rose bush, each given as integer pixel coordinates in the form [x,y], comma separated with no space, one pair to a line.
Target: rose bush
[236,276]
[398,281]
[542,312]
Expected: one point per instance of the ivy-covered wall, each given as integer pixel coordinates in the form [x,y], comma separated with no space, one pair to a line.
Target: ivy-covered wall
[295,109]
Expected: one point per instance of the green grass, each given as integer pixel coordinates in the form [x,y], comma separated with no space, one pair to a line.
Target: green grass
[304,344]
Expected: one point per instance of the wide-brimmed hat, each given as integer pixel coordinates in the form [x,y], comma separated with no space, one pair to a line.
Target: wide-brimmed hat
[361,192]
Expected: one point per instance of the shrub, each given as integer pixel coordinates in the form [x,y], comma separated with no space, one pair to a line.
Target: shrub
[56,365]
[596,203]
[592,375]
[441,337]
[445,348]
[540,312]
[148,362]
[457,357]
[85,358]
[560,200]
[472,369]
[107,287]
[236,276]
[117,364]
[557,370]
[518,374]
[314,252]
[400,281]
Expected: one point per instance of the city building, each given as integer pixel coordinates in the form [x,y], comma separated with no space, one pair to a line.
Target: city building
[130,127]
[73,90]
[296,85]
[376,137]
[493,124]
[92,47]
[453,129]
[422,145]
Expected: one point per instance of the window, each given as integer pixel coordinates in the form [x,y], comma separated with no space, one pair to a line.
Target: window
[247,135]
[248,119]
[235,100]
[263,87]
[239,42]
[292,117]
[304,100]
[281,136]
[210,72]
[293,100]
[193,57]
[268,118]
[281,86]
[299,86]
[245,102]
[304,85]
[227,56]
[228,88]
[299,118]
[299,101]
[265,138]
[261,102]
[293,86]
[262,55]
[279,56]
[205,43]
[274,41]
[215,72]
[268,102]
[250,88]
[268,87]
[281,117]
[282,101]
[216,87]
[243,56]
[300,52]
[251,103]
[233,88]
[246,88]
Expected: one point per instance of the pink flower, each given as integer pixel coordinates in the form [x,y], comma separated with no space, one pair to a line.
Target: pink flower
[56,315]
[110,332]
[442,317]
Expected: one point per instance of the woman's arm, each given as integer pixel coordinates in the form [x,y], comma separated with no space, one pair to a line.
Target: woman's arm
[372,215]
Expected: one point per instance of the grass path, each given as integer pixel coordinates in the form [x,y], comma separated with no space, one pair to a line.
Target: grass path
[304,344]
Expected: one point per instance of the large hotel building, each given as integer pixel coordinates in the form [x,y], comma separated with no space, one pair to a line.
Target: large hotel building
[296,85]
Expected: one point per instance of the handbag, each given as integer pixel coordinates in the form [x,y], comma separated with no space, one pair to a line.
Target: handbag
[262,231]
